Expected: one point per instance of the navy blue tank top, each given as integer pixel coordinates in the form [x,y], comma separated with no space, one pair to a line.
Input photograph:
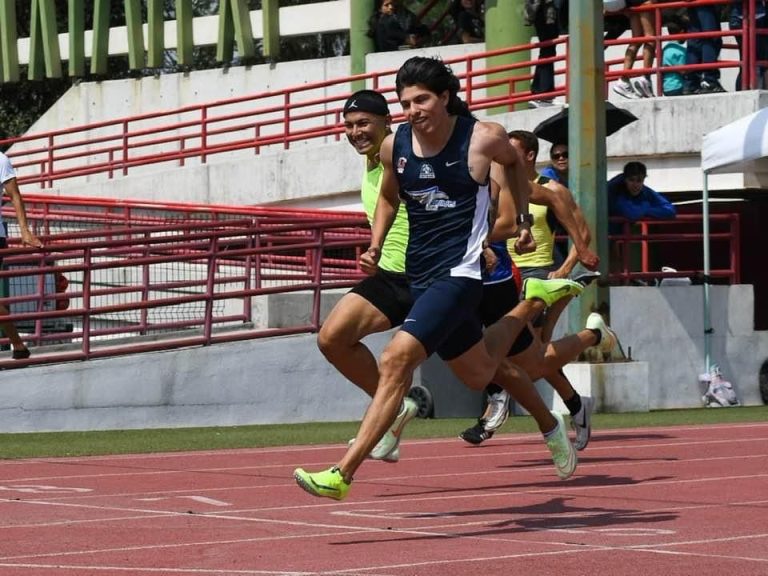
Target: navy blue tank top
[447,208]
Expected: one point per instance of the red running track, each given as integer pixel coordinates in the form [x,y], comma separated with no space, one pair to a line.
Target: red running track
[687,501]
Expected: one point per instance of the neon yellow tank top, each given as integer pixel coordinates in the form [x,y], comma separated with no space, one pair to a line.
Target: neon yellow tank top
[544,237]
[396,242]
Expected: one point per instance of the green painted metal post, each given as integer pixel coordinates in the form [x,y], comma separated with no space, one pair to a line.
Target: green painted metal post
[43,42]
[234,23]
[135,34]
[76,28]
[504,27]
[360,44]
[586,140]
[100,47]
[155,33]
[185,42]
[270,15]
[9,55]
[243,30]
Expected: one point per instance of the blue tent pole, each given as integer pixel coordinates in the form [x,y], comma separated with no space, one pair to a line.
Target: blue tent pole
[705,233]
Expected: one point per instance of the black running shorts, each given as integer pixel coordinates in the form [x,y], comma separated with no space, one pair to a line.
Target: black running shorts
[498,299]
[389,293]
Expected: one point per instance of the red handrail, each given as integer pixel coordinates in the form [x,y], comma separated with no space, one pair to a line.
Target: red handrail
[255,121]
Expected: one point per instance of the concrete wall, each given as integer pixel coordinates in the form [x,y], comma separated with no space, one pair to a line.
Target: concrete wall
[288,380]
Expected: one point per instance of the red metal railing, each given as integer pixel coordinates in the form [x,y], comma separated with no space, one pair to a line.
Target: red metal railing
[155,276]
[285,117]
[639,243]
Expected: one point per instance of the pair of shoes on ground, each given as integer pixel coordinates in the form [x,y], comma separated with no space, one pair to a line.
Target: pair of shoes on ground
[633,89]
[330,483]
[541,103]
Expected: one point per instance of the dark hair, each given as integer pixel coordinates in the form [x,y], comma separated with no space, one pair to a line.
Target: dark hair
[634,169]
[435,76]
[529,140]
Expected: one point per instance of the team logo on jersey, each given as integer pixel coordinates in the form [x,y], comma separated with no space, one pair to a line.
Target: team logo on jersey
[433,199]
[427,171]
[401,164]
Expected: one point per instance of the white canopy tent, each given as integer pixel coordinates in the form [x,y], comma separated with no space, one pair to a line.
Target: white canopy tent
[741,146]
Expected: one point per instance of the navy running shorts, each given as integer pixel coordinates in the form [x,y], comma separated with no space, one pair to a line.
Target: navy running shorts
[444,316]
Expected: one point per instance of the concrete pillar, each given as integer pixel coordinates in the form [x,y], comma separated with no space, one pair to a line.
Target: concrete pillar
[76,27]
[270,14]
[504,27]
[360,43]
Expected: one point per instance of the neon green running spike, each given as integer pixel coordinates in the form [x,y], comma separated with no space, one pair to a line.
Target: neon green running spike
[326,484]
[550,291]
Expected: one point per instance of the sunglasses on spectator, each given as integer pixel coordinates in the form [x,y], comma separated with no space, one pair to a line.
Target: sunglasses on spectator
[559,156]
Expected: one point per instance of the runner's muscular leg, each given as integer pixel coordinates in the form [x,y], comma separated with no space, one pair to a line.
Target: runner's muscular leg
[398,361]
[352,319]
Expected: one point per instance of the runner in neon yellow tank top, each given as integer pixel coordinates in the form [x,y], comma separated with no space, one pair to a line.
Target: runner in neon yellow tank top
[393,251]
[381,301]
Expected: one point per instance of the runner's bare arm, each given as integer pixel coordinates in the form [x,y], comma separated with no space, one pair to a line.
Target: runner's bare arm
[386,210]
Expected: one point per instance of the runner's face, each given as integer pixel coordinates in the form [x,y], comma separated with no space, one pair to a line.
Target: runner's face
[365,131]
[424,110]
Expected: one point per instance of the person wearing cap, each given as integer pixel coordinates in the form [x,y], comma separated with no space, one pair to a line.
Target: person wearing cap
[381,301]
[11,188]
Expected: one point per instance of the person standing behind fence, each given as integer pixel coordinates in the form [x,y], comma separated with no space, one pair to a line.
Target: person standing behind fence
[545,17]
[381,301]
[11,188]
[641,24]
[736,22]
[703,51]
[469,19]
[674,54]
[393,27]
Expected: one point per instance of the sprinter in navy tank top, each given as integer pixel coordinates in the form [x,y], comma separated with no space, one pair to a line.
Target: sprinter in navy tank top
[439,166]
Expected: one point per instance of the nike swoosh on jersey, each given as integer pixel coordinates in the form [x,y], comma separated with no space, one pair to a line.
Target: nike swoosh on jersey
[449,164]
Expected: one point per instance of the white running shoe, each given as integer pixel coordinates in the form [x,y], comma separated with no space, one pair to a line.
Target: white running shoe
[388,448]
[643,87]
[608,339]
[563,454]
[582,423]
[624,88]
[497,411]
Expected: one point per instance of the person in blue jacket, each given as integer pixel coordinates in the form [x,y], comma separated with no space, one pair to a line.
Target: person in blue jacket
[628,196]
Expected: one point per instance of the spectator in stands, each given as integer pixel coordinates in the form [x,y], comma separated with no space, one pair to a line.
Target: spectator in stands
[703,50]
[558,169]
[393,27]
[673,54]
[470,21]
[628,196]
[736,22]
[642,24]
[11,188]
[545,17]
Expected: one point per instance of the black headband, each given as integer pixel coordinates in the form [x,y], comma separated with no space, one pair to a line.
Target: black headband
[367,101]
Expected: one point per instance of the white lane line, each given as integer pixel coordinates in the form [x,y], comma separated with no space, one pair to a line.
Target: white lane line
[502,452]
[429,442]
